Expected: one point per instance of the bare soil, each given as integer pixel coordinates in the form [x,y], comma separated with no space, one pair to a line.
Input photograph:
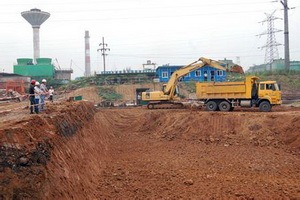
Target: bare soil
[73,151]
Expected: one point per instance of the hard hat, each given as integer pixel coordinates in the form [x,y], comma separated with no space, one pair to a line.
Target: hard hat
[37,83]
[44,81]
[32,82]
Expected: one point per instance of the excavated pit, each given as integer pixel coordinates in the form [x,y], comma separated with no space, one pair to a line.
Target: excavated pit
[78,152]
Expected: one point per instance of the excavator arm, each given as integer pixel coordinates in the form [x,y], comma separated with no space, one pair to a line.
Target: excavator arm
[169,89]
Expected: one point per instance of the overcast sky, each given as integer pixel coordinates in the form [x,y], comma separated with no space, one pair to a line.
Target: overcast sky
[164,31]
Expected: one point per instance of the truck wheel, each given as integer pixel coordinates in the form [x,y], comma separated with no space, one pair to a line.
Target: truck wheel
[224,106]
[211,106]
[265,106]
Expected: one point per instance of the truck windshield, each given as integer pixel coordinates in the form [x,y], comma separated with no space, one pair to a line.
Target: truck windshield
[273,86]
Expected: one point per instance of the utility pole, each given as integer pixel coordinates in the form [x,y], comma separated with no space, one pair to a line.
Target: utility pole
[286,36]
[103,50]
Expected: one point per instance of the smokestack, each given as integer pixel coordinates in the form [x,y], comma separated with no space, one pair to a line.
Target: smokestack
[36,17]
[87,55]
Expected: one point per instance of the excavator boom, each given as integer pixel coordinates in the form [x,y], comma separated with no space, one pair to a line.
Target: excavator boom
[201,62]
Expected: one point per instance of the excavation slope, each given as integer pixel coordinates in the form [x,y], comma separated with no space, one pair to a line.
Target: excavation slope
[164,154]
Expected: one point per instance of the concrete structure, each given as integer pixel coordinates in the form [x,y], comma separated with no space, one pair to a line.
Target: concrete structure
[43,68]
[63,74]
[149,65]
[36,17]
[87,55]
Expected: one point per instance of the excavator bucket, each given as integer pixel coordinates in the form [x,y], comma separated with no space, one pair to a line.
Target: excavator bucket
[236,69]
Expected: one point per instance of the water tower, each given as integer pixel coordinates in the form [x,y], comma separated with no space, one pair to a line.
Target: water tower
[36,17]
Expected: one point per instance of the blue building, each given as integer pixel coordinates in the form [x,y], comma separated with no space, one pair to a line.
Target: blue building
[203,74]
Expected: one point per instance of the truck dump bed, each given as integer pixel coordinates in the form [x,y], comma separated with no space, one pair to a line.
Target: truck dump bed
[225,90]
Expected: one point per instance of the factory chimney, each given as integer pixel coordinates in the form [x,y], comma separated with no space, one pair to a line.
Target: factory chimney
[36,17]
[87,55]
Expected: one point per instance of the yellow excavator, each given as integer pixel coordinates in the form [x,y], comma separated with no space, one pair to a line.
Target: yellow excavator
[169,93]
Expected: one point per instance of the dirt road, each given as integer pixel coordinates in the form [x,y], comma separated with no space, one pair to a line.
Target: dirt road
[160,154]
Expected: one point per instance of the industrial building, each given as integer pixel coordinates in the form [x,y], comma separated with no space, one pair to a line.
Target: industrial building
[43,68]
[127,76]
[276,65]
[162,74]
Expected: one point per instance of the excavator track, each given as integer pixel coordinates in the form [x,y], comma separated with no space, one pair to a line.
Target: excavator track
[165,105]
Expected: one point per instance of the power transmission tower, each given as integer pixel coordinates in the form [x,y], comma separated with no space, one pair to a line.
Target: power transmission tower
[286,36]
[103,50]
[271,46]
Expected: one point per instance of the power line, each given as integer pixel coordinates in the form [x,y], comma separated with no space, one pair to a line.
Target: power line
[145,17]
[109,1]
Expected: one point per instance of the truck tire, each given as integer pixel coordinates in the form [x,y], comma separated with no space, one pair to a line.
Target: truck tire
[224,106]
[265,106]
[211,106]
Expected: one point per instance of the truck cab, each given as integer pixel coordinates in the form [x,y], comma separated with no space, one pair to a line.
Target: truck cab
[269,90]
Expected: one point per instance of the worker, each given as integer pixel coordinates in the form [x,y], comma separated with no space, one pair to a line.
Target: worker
[44,89]
[37,93]
[31,96]
[51,93]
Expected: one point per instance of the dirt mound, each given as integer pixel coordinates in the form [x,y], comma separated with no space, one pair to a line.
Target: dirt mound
[87,93]
[128,92]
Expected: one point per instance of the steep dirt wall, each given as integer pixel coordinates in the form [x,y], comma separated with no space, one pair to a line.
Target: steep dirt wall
[279,129]
[26,148]
[77,162]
